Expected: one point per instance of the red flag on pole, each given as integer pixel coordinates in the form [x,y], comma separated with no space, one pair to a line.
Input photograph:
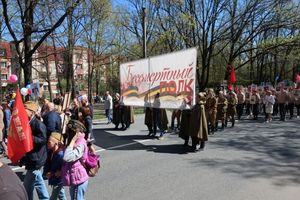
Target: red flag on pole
[232,75]
[19,134]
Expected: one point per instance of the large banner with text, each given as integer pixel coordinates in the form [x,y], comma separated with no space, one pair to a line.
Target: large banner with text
[171,75]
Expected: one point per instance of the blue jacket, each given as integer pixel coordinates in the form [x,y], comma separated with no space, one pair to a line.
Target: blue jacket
[52,121]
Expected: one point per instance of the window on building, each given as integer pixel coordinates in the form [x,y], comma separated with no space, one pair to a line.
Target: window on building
[45,87]
[79,66]
[3,77]
[3,64]
[2,52]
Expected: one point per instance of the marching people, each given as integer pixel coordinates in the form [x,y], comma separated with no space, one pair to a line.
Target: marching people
[159,117]
[221,109]
[128,116]
[149,120]
[269,102]
[73,172]
[231,110]
[282,100]
[247,102]
[275,106]
[75,109]
[176,113]
[198,125]
[254,102]
[241,102]
[291,103]
[86,119]
[118,112]
[51,119]
[211,111]
[36,158]
[53,166]
[185,121]
[296,93]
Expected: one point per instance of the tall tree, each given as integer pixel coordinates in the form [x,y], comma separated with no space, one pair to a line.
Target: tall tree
[29,26]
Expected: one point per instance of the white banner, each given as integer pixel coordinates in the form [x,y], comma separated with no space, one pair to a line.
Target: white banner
[171,75]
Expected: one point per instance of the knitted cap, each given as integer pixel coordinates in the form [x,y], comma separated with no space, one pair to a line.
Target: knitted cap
[57,136]
[32,106]
[76,125]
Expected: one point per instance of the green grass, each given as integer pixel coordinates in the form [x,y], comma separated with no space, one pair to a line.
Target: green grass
[99,115]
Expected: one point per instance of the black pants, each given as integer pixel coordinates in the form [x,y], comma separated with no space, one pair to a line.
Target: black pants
[298,109]
[282,111]
[291,109]
[239,110]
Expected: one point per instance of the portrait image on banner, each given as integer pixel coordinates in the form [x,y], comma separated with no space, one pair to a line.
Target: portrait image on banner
[171,75]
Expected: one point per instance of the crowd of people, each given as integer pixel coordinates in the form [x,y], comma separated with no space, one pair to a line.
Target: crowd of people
[62,138]
[58,151]
[224,106]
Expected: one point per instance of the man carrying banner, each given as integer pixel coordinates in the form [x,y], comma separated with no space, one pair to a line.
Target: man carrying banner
[36,158]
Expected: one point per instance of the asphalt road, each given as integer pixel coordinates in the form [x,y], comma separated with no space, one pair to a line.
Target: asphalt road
[253,160]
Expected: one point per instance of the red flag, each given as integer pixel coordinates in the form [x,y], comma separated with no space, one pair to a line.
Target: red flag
[232,75]
[297,78]
[19,134]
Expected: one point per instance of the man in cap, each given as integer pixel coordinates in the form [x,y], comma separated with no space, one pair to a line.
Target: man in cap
[198,129]
[36,158]
[211,110]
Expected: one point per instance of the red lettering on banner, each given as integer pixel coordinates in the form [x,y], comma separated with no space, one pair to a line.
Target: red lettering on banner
[166,74]
[187,87]
[163,85]
[180,86]
[172,87]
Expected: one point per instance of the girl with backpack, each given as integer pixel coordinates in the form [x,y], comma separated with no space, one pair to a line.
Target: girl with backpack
[74,173]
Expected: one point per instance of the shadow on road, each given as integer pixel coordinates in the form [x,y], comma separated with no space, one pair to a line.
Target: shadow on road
[271,151]
[107,140]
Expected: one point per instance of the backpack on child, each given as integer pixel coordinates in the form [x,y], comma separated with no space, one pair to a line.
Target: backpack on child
[92,163]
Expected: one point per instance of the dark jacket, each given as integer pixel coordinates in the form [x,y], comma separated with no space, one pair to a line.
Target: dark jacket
[37,157]
[53,165]
[52,120]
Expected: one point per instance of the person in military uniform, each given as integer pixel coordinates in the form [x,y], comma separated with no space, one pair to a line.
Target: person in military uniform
[275,107]
[247,101]
[240,102]
[291,103]
[254,102]
[221,109]
[231,110]
[296,93]
[211,110]
[198,124]
[282,100]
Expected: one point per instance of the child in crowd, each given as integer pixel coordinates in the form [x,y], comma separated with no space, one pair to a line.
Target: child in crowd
[54,164]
